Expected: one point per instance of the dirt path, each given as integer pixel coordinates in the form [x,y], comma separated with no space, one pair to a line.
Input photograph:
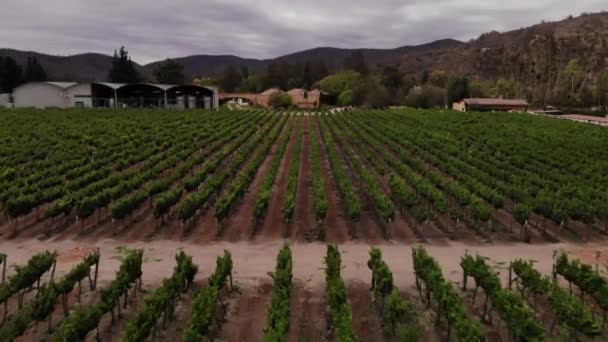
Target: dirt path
[307,313]
[272,226]
[241,223]
[366,320]
[335,226]
[304,225]
[254,260]
[246,317]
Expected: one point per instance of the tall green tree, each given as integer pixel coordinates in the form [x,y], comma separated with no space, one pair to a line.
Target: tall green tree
[169,72]
[601,89]
[123,70]
[34,72]
[11,75]
[231,79]
[391,78]
[338,83]
[457,89]
[356,62]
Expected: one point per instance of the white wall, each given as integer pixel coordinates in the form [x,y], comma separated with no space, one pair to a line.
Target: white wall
[79,93]
[39,95]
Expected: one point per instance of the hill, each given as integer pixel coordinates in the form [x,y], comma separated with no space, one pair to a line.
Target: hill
[532,54]
[84,67]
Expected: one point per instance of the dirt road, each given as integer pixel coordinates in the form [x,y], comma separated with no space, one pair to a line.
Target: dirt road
[253,261]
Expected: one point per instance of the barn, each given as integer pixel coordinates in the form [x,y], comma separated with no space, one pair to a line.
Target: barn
[115,95]
[491,104]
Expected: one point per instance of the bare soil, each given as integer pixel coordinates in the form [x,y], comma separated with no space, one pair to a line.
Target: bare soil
[273,226]
[304,226]
[253,261]
[335,226]
[246,317]
[241,224]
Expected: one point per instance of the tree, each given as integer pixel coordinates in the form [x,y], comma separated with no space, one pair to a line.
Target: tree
[230,80]
[572,83]
[356,62]
[11,75]
[377,96]
[457,89]
[601,89]
[34,72]
[280,100]
[254,83]
[338,83]
[438,78]
[478,88]
[169,72]
[346,98]
[392,78]
[123,70]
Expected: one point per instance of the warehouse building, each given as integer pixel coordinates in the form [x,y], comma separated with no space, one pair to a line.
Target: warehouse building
[115,95]
[489,104]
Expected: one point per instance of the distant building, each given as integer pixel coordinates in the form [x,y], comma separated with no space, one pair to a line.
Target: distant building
[489,104]
[300,98]
[6,100]
[115,95]
[305,99]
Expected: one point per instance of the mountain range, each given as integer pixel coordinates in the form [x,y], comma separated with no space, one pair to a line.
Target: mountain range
[528,54]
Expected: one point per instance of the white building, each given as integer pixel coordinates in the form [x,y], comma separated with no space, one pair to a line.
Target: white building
[115,95]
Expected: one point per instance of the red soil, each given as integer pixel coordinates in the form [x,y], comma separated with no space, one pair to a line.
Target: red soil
[334,225]
[273,226]
[240,224]
[304,226]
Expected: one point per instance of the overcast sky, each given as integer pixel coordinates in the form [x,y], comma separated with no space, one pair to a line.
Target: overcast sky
[260,29]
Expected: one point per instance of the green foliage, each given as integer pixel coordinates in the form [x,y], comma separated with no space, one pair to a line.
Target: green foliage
[277,318]
[289,204]
[318,183]
[520,320]
[44,302]
[162,301]
[569,310]
[169,72]
[339,309]
[204,306]
[339,83]
[352,203]
[123,70]
[457,89]
[27,275]
[585,277]
[265,192]
[428,272]
[86,318]
[399,318]
[239,184]
[345,98]
[280,100]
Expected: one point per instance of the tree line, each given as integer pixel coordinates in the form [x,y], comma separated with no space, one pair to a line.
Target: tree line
[13,75]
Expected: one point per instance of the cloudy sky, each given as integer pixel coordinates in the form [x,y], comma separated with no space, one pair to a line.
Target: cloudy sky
[152,30]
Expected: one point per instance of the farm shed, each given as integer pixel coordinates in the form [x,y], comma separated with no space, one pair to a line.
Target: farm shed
[490,104]
[42,94]
[115,95]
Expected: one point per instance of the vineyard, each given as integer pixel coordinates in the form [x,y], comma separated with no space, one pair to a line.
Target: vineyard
[402,175]
[44,300]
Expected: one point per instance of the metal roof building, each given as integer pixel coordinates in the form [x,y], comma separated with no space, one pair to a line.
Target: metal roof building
[115,95]
[491,104]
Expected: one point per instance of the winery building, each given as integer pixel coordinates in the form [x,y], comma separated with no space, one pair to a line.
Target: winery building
[115,95]
[490,104]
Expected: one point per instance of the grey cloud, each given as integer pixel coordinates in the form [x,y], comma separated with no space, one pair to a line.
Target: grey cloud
[260,29]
